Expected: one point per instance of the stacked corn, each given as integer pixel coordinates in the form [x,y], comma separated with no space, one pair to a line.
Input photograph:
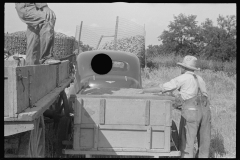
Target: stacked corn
[17,43]
[133,44]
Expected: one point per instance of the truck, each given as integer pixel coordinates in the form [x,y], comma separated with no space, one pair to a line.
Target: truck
[33,97]
[111,116]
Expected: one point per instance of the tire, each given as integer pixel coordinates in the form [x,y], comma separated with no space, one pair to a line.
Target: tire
[174,136]
[63,130]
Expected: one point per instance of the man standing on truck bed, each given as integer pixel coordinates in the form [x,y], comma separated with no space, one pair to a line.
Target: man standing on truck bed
[40,20]
[196,115]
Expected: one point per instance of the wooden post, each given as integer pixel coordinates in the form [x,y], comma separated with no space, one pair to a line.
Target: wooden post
[79,36]
[115,37]
[145,62]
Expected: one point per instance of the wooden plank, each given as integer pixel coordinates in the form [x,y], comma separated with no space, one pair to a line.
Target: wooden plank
[147,113]
[133,111]
[110,149]
[15,128]
[63,70]
[78,111]
[22,90]
[90,111]
[86,138]
[6,102]
[43,80]
[134,149]
[76,137]
[102,111]
[142,96]
[149,138]
[12,98]
[96,129]
[167,139]
[172,154]
[157,113]
[122,127]
[158,139]
[121,139]
[168,109]
[40,106]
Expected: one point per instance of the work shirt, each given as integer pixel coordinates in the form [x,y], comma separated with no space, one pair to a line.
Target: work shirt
[187,85]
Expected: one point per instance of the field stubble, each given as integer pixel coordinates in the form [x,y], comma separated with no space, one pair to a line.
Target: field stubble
[222,94]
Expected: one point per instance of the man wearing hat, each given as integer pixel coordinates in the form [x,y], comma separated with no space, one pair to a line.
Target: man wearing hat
[195,111]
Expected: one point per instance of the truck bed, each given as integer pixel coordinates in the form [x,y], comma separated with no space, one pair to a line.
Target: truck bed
[121,122]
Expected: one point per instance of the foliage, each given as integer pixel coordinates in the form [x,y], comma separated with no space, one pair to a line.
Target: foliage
[184,37]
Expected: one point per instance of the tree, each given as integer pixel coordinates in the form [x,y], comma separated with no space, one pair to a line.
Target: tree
[219,42]
[181,36]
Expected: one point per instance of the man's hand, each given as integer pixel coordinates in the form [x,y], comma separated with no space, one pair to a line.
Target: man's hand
[49,13]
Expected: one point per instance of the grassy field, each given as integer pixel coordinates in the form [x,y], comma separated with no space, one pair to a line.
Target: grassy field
[221,87]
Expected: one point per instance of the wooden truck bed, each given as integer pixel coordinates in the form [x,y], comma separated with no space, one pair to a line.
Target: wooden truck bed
[122,122]
[25,86]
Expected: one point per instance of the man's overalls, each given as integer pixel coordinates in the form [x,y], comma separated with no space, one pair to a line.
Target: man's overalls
[40,33]
[195,121]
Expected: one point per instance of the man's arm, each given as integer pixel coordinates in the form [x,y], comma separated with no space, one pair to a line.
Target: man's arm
[152,90]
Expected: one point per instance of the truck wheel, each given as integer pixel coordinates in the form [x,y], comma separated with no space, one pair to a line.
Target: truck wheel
[174,137]
[63,133]
[33,142]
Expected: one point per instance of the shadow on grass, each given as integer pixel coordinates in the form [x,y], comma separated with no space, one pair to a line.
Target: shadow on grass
[217,148]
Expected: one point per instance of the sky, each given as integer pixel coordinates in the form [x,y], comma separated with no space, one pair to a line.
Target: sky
[154,16]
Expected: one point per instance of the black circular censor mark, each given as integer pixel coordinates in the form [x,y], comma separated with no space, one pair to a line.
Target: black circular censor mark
[101,64]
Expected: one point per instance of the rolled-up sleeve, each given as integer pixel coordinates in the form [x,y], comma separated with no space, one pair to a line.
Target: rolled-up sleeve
[41,5]
[172,84]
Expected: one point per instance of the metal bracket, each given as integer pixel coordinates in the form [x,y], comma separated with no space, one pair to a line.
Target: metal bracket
[57,76]
[29,89]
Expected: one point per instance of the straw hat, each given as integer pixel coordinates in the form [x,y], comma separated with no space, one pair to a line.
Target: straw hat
[189,62]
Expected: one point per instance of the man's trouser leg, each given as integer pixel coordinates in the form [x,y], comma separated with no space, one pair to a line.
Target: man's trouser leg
[36,19]
[47,40]
[204,133]
[33,46]
[188,130]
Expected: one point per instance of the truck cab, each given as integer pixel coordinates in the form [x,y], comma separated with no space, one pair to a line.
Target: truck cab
[124,73]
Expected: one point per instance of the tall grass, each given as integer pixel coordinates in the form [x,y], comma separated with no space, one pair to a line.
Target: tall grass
[222,93]
[171,61]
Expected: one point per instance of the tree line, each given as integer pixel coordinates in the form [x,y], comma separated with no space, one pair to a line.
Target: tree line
[207,41]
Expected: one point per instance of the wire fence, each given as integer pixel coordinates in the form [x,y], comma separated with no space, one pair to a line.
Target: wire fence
[123,35]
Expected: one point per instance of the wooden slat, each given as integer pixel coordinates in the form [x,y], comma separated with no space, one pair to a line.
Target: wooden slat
[152,97]
[22,90]
[157,113]
[96,129]
[125,111]
[167,139]
[6,100]
[63,70]
[168,109]
[12,88]
[147,113]
[76,137]
[149,138]
[122,127]
[172,154]
[110,149]
[90,111]
[78,111]
[40,106]
[15,128]
[102,111]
